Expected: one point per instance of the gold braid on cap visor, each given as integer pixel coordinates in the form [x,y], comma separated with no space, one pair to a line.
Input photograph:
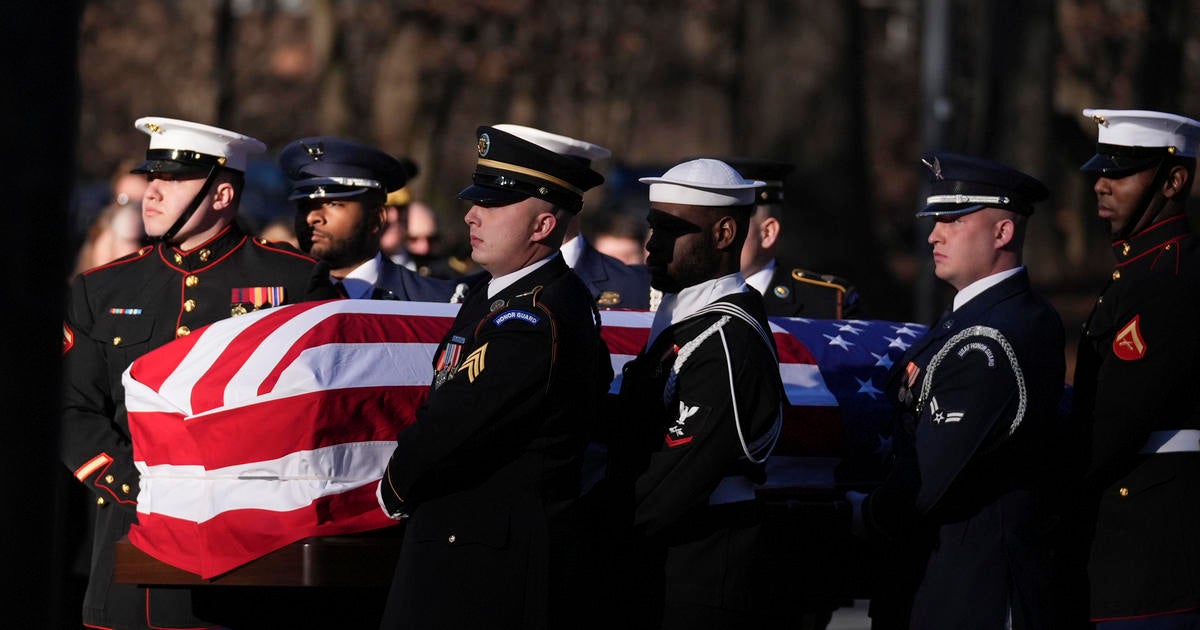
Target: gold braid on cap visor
[528,171]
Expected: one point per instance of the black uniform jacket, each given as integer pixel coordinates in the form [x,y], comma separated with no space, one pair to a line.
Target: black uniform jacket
[493,460]
[677,439]
[118,312]
[796,292]
[397,282]
[1136,373]
[973,479]
[613,283]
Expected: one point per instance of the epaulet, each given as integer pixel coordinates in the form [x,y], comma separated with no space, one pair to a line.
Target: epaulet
[281,247]
[821,279]
[128,258]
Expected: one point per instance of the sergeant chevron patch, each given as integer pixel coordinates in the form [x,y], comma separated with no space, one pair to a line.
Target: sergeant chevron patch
[474,364]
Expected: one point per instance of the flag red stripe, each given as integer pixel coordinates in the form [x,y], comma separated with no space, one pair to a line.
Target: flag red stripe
[295,423]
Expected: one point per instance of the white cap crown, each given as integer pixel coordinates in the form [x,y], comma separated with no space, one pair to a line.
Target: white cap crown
[703,182]
[184,135]
[559,144]
[1141,128]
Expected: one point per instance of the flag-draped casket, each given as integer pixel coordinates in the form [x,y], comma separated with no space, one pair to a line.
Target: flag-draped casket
[260,430]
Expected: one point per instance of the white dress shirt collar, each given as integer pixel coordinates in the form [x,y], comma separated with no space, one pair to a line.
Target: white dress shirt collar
[496,285]
[360,283]
[761,279]
[981,285]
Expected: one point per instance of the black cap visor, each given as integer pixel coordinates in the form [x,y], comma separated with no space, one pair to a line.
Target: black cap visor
[950,209]
[325,188]
[1118,166]
[490,196]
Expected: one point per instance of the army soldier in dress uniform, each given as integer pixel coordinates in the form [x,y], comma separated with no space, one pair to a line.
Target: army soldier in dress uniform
[487,472]
[699,411]
[340,188]
[977,399]
[787,291]
[204,268]
[612,282]
[1135,377]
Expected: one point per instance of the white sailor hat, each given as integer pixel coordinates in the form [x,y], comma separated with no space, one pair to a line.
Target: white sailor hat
[181,146]
[562,145]
[703,182]
[1134,140]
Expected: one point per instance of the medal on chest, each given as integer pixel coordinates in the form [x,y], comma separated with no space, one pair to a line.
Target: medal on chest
[448,361]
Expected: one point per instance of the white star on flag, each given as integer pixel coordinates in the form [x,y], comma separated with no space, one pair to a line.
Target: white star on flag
[905,330]
[883,360]
[897,342]
[838,341]
[849,328]
[867,387]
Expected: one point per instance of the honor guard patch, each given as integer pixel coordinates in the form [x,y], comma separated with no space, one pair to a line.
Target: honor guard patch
[1129,344]
[474,363]
[68,338]
[608,298]
[522,316]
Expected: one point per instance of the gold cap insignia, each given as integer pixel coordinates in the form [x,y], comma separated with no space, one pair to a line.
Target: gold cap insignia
[153,127]
[1100,120]
[782,291]
[484,144]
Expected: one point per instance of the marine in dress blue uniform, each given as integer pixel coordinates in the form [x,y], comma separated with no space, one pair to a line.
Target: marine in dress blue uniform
[204,268]
[340,188]
[698,415]
[613,283]
[1135,386]
[487,473]
[973,482]
[787,291]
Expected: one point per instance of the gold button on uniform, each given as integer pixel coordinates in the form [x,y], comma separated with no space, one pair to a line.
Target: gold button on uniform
[100,501]
[204,254]
[125,488]
[1123,492]
[189,305]
[191,281]
[178,259]
[451,538]
[1125,249]
[116,341]
[109,478]
[1117,274]
[182,331]
[1168,247]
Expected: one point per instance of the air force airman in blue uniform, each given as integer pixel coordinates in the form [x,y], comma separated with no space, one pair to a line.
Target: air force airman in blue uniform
[977,400]
[340,188]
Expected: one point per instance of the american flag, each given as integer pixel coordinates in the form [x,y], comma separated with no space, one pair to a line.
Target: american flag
[263,429]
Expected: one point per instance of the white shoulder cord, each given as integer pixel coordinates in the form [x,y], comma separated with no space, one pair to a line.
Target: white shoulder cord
[989,333]
[771,436]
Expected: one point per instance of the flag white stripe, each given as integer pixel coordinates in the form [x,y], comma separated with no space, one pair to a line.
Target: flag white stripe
[288,483]
[805,386]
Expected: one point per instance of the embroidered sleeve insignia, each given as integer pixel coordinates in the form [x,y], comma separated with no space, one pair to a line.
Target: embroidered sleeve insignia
[68,338]
[1129,344]
[474,364]
[680,432]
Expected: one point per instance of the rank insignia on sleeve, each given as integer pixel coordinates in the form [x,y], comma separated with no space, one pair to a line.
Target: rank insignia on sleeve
[1129,344]
[518,315]
[682,430]
[474,363]
[68,338]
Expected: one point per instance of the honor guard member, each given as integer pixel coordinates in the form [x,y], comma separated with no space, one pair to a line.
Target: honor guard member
[977,402]
[787,291]
[486,473]
[340,189]
[203,268]
[613,283]
[1135,376]
[699,409]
